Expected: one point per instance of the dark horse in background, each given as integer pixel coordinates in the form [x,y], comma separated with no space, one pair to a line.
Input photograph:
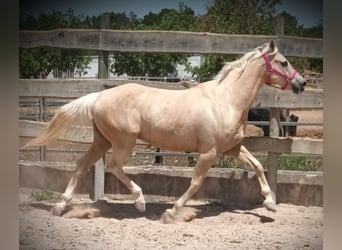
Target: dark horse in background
[263,114]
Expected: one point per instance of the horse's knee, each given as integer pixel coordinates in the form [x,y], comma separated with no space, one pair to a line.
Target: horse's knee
[78,173]
[196,183]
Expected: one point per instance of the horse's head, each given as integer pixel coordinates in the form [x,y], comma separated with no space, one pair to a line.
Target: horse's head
[280,73]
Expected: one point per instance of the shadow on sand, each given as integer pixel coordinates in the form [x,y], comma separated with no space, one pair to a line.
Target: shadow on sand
[120,211]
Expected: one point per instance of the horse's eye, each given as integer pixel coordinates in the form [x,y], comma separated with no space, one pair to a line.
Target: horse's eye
[284,64]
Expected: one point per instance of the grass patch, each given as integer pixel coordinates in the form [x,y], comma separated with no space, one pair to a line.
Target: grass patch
[43,195]
[286,162]
[301,163]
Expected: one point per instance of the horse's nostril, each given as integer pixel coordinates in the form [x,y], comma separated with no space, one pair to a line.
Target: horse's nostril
[304,84]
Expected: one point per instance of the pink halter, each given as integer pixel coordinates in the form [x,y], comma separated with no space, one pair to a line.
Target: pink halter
[271,70]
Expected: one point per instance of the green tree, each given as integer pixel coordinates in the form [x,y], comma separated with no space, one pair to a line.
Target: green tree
[116,21]
[255,17]
[183,19]
[315,31]
[239,17]
[293,28]
[155,64]
[152,64]
[39,62]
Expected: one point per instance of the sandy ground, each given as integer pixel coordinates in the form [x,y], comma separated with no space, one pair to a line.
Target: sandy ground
[117,225]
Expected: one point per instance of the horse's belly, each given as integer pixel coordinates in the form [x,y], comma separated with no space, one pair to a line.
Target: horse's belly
[170,141]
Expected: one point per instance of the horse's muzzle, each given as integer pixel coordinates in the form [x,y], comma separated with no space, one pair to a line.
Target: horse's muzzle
[298,88]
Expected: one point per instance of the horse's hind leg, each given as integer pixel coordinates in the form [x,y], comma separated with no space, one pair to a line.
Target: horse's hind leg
[99,147]
[120,153]
[240,152]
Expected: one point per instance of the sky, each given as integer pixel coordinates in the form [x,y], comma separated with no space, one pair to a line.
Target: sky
[308,12]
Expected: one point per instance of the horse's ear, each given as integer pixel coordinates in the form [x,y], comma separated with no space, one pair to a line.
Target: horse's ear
[271,45]
[272,50]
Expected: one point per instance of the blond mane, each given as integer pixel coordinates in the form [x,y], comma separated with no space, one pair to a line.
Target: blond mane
[240,64]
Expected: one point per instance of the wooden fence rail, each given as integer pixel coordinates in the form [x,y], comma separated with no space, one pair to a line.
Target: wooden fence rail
[74,88]
[166,41]
[104,41]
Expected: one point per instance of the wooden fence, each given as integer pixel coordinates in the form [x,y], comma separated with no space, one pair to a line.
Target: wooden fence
[166,41]
[170,41]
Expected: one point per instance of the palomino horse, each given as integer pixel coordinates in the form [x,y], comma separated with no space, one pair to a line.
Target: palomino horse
[209,119]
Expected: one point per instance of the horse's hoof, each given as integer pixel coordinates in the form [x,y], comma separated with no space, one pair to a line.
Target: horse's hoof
[58,209]
[270,205]
[186,214]
[167,217]
[140,206]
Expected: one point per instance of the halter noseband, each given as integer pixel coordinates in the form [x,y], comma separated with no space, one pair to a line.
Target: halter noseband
[271,70]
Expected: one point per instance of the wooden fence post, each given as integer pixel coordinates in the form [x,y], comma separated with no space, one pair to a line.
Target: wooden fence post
[158,159]
[42,117]
[272,158]
[99,178]
[99,168]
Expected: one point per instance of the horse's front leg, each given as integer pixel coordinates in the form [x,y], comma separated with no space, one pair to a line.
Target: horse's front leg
[203,164]
[240,152]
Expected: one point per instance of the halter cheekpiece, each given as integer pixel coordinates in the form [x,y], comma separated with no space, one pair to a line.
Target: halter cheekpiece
[271,70]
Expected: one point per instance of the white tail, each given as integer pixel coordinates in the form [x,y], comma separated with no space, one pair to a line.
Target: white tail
[75,113]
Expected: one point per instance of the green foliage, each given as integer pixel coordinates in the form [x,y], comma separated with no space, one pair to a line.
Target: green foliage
[300,163]
[232,17]
[226,162]
[39,62]
[239,17]
[116,21]
[255,17]
[152,64]
[155,64]
[301,64]
[42,195]
[292,28]
[211,66]
[182,19]
[286,162]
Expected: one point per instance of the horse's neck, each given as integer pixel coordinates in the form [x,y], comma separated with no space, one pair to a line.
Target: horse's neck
[243,91]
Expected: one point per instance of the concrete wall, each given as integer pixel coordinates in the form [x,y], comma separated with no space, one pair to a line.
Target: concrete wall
[232,187]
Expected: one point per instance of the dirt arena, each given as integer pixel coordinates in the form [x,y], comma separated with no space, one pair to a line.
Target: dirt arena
[117,225]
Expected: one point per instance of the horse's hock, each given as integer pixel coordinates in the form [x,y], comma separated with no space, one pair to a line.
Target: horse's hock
[232,187]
